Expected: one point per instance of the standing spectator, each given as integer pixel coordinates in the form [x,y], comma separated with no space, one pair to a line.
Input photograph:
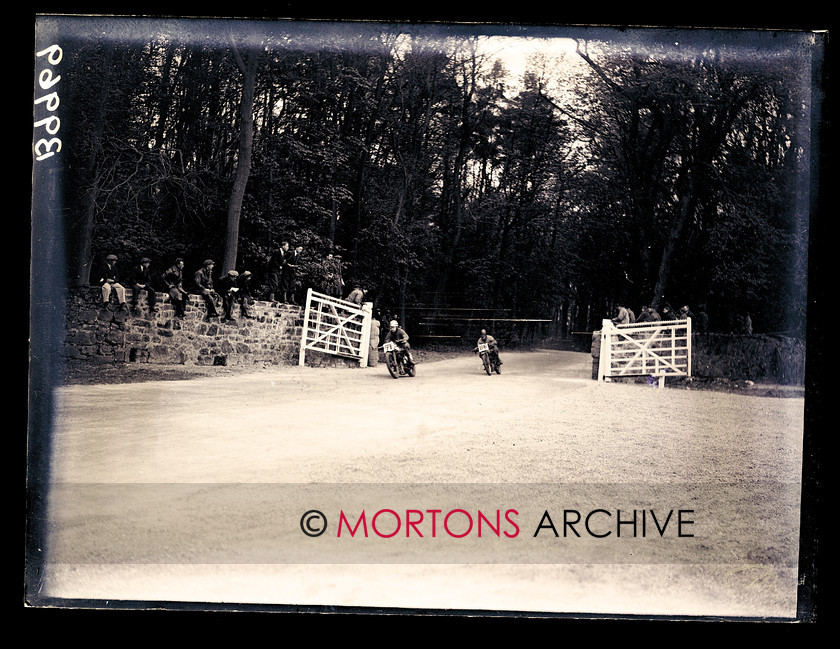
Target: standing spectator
[109,280]
[595,350]
[383,324]
[654,314]
[623,316]
[141,280]
[173,278]
[373,352]
[685,313]
[204,283]
[701,321]
[274,273]
[357,295]
[746,323]
[644,314]
[229,291]
[334,282]
[291,262]
[668,313]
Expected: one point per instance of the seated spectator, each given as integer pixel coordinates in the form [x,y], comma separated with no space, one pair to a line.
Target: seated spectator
[109,280]
[141,280]
[204,283]
[229,291]
[246,299]
[173,279]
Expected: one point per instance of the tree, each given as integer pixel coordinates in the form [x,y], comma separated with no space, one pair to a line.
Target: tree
[667,134]
[248,68]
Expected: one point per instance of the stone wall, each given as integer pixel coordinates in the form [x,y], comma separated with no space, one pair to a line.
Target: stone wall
[270,336]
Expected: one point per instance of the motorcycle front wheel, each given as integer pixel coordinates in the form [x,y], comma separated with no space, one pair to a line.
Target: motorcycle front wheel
[391,362]
[486,362]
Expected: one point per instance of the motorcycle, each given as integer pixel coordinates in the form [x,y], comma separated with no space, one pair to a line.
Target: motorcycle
[490,359]
[399,363]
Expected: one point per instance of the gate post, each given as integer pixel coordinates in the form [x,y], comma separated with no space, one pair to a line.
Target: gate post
[367,308]
[604,359]
[302,354]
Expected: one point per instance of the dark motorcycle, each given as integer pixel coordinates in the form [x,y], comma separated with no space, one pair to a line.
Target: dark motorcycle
[399,363]
[490,359]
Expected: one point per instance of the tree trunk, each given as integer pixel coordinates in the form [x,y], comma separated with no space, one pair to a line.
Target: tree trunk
[674,239]
[243,165]
[82,230]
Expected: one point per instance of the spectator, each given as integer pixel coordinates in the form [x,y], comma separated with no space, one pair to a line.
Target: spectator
[623,316]
[109,280]
[334,283]
[746,323]
[229,291]
[685,313]
[644,314]
[357,295]
[141,280]
[595,350]
[291,262]
[173,278]
[274,273]
[668,313]
[654,314]
[204,283]
[383,324]
[246,299]
[701,321]
[373,352]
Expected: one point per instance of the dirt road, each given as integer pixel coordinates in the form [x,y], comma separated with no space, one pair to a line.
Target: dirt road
[193,490]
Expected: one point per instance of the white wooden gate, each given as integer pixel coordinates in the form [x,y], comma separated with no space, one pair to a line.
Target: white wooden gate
[334,326]
[656,349]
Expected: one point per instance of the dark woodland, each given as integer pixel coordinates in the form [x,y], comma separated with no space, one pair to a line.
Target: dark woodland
[647,174]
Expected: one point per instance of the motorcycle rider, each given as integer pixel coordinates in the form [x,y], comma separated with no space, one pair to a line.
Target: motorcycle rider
[399,337]
[491,343]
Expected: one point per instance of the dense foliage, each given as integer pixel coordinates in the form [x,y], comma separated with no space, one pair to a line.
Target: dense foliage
[441,179]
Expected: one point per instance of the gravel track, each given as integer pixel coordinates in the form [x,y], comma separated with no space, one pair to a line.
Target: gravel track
[542,423]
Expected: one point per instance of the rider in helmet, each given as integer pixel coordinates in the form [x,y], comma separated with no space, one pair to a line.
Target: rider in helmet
[397,335]
[491,343]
